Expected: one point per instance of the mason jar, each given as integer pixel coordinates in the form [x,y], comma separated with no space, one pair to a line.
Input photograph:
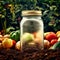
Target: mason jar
[31,27]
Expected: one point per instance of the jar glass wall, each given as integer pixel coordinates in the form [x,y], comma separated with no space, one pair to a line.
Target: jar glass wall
[31,30]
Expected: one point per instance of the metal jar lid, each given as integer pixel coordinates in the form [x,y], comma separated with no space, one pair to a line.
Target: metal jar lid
[31,12]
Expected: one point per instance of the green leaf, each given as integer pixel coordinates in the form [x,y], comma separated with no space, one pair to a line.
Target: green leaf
[9,29]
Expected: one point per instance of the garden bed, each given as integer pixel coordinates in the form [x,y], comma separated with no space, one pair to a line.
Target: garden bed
[29,54]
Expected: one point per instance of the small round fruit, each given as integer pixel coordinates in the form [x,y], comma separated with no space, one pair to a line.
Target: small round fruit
[27,37]
[6,36]
[46,33]
[14,42]
[38,40]
[58,33]
[1,38]
[59,39]
[7,43]
[18,45]
[53,41]
[46,44]
[51,36]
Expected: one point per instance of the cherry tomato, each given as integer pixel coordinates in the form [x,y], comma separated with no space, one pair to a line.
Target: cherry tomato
[14,42]
[51,36]
[53,41]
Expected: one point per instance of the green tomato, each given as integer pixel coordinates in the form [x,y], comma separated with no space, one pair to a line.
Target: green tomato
[27,37]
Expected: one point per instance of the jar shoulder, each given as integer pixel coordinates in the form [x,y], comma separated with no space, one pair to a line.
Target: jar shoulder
[25,19]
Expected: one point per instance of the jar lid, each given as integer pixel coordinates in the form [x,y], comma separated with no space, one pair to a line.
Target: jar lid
[31,12]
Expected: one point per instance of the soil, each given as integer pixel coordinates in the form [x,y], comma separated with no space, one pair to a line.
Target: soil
[29,54]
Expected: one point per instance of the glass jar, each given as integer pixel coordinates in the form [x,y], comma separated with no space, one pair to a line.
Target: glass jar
[31,30]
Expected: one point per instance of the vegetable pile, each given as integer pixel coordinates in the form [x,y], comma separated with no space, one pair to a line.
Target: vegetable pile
[52,40]
[12,40]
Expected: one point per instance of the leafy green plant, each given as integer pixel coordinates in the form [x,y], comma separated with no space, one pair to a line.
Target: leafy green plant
[11,12]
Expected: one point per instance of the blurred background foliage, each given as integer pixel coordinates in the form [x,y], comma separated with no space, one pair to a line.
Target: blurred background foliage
[10,13]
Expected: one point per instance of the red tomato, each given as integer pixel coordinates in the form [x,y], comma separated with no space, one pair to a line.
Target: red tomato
[53,41]
[51,36]
[14,42]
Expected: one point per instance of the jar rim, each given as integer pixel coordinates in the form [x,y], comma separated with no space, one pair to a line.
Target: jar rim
[31,12]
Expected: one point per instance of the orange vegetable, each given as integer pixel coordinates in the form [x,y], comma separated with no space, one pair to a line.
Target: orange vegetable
[34,34]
